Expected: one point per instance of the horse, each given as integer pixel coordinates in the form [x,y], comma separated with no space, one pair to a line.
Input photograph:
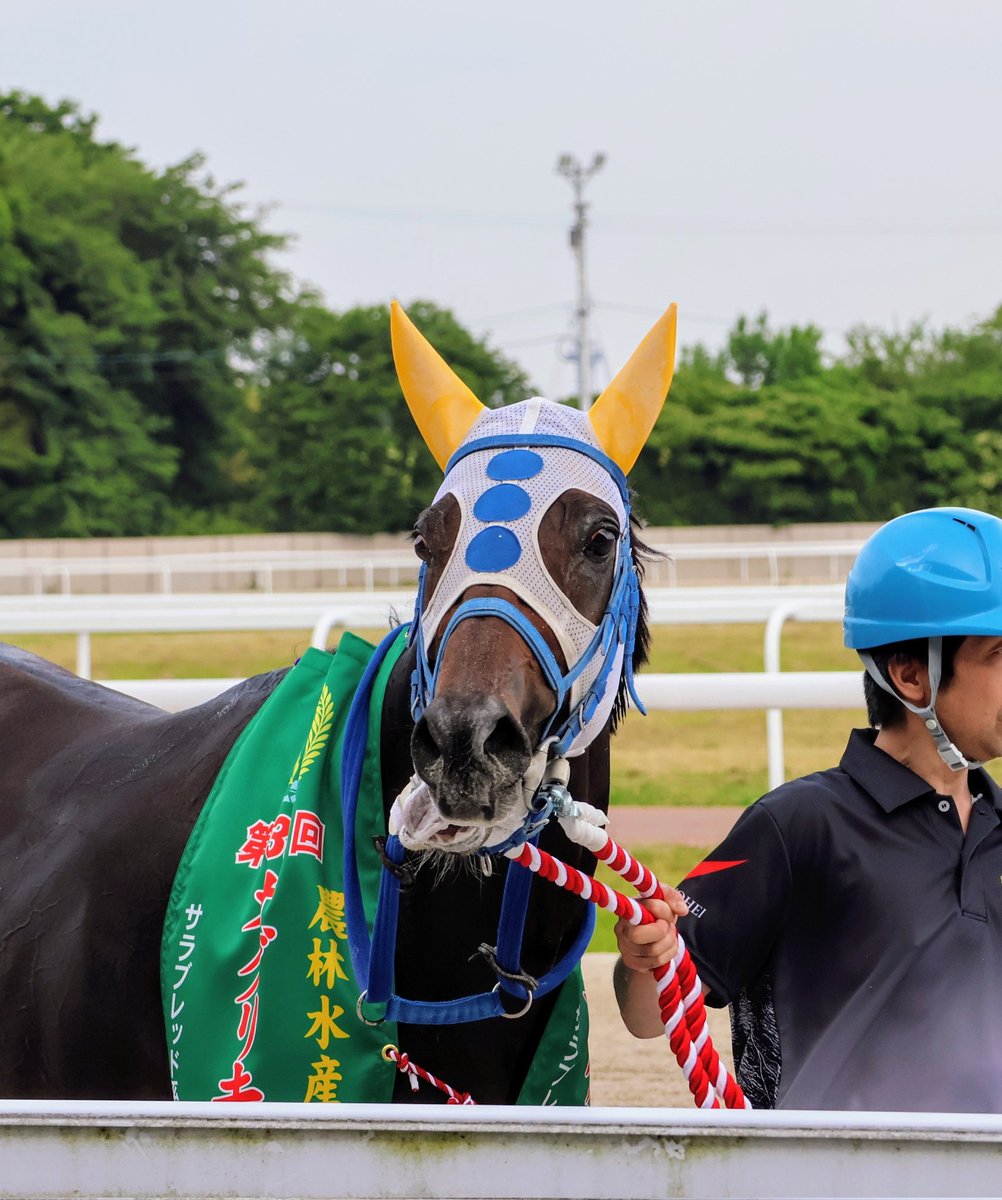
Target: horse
[100,792]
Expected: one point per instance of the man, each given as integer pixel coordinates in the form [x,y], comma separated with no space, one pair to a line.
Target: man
[853,918]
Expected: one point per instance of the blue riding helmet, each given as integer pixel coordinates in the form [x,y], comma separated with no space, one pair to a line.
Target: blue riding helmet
[930,573]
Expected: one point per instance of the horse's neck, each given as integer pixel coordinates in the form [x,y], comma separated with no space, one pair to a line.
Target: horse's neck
[590,774]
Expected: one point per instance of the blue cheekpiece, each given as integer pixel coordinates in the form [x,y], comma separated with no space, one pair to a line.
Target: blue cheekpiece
[932,573]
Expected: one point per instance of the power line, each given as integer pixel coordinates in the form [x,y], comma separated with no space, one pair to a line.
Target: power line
[559,306]
[646,226]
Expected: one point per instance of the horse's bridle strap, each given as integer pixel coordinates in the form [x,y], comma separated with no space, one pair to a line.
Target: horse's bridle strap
[535,440]
[489,606]
[372,960]
[379,956]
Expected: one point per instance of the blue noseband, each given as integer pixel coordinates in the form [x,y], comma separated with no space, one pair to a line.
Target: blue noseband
[373,958]
[618,626]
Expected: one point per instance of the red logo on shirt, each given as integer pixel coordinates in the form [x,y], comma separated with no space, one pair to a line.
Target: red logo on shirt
[710,868]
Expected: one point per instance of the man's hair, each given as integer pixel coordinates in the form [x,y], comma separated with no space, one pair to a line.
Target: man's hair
[883,710]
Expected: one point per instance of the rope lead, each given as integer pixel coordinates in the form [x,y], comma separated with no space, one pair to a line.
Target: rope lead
[680,996]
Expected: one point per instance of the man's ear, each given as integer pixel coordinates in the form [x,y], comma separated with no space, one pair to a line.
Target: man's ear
[910,677]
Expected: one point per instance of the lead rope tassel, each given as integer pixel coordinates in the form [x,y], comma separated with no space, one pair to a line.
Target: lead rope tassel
[679,989]
[413,1072]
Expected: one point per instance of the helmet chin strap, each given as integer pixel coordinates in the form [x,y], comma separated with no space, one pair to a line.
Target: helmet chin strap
[946,749]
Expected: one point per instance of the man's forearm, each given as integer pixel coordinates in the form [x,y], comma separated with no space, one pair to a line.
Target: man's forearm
[637,997]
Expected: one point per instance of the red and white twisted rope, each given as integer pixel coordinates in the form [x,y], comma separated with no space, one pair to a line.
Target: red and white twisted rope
[680,997]
[414,1072]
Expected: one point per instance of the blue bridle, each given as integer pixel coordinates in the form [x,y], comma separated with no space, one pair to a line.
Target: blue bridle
[373,957]
[618,625]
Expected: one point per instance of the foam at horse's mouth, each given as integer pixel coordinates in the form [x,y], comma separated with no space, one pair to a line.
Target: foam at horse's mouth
[417,822]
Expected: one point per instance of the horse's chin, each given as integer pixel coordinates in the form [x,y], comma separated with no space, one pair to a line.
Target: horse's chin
[457,839]
[419,822]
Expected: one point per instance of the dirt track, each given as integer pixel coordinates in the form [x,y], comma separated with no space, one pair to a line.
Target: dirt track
[625,1071]
[660,826]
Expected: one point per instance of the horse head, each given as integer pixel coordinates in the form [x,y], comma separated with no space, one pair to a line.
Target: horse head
[528,599]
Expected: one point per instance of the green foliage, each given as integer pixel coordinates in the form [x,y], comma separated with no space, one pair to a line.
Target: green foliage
[760,356]
[159,375]
[766,433]
[124,294]
[331,441]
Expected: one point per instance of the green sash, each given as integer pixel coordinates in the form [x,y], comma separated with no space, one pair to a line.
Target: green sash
[257,983]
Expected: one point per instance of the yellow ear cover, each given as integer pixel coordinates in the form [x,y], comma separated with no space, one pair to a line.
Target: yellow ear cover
[442,406]
[624,415]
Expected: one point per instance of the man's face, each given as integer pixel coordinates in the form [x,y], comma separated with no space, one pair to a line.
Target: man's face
[970,705]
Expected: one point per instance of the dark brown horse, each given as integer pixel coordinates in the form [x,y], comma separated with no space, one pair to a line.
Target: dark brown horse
[99,793]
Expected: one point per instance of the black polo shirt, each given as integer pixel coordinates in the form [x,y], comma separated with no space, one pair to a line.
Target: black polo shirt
[857,934]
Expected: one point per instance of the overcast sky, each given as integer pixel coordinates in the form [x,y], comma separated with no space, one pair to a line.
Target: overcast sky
[833,163]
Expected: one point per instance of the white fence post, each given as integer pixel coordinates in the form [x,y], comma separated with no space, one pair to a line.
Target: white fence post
[84,666]
[774,716]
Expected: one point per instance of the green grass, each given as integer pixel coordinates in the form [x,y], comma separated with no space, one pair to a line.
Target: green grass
[181,655]
[688,758]
[719,758]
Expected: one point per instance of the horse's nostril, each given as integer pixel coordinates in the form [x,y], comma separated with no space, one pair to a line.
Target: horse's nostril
[426,751]
[457,735]
[508,743]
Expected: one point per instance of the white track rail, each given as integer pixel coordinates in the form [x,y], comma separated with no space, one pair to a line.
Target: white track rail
[263,568]
[323,613]
[308,1152]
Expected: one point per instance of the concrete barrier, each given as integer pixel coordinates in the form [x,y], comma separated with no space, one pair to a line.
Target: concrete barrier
[309,1152]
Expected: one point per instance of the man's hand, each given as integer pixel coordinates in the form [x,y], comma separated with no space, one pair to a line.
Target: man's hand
[642,949]
[646,947]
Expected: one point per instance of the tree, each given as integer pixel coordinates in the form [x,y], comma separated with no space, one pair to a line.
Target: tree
[332,443]
[860,440]
[124,296]
[759,356]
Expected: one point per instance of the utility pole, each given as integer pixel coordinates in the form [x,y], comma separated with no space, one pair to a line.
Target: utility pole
[570,168]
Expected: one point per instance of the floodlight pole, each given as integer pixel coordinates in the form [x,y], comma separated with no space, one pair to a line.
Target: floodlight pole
[570,168]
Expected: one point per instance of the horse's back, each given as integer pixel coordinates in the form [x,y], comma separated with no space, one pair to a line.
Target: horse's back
[97,797]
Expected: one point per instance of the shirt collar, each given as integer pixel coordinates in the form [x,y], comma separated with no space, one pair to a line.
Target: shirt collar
[892,784]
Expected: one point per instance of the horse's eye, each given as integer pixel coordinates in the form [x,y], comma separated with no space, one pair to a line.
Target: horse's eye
[421,547]
[601,544]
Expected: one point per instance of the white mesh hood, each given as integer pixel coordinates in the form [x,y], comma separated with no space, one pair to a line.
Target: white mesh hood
[503,494]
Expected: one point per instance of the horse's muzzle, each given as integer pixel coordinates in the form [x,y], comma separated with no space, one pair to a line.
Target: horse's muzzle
[472,752]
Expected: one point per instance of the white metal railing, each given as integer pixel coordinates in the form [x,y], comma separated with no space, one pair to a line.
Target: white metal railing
[708,691]
[326,1152]
[807,610]
[773,689]
[322,612]
[161,571]
[837,555]
[369,568]
[216,612]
